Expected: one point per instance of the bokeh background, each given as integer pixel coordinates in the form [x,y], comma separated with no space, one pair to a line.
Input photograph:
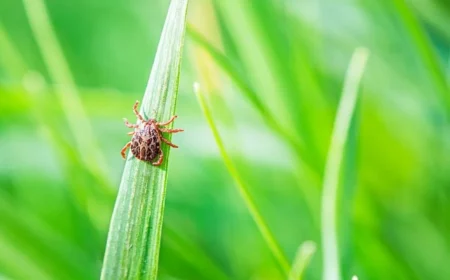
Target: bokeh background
[273,72]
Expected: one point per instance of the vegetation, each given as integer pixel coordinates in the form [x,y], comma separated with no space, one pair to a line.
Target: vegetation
[270,143]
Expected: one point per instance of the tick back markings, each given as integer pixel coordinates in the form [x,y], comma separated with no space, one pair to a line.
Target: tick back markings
[147,136]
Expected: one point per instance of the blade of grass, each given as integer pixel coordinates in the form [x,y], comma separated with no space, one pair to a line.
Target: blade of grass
[132,249]
[227,66]
[53,252]
[66,89]
[331,270]
[17,264]
[425,49]
[304,254]
[305,161]
[36,93]
[242,188]
[345,206]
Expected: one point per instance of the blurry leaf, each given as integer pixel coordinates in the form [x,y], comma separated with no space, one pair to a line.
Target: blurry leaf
[59,257]
[346,196]
[426,51]
[15,263]
[304,254]
[193,255]
[270,119]
[132,250]
[243,188]
[66,90]
[342,123]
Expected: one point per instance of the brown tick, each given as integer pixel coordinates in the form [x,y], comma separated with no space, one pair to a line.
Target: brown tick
[147,137]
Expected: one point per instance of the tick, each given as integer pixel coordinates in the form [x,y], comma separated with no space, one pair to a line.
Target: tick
[147,137]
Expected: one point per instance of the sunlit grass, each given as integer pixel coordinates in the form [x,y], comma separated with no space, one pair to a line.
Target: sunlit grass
[243,189]
[275,99]
[333,164]
[66,90]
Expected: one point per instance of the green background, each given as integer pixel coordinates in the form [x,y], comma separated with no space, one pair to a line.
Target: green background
[393,206]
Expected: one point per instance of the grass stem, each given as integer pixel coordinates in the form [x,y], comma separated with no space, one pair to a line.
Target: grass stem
[331,270]
[242,187]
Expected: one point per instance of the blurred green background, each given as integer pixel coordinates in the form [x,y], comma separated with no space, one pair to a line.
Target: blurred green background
[273,72]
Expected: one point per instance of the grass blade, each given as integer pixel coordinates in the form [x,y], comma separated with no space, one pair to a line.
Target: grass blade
[302,258]
[66,89]
[425,50]
[333,164]
[248,92]
[132,250]
[243,189]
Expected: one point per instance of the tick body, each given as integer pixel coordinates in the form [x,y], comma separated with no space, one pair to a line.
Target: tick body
[147,137]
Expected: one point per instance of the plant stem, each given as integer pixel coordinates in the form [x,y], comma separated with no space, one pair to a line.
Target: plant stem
[243,189]
[333,164]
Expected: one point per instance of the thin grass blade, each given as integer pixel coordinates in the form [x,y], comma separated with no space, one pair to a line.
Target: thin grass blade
[66,90]
[243,189]
[304,254]
[331,270]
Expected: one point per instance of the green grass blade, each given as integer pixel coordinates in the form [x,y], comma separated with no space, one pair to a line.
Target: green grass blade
[227,66]
[132,250]
[422,43]
[243,189]
[304,254]
[334,160]
[65,88]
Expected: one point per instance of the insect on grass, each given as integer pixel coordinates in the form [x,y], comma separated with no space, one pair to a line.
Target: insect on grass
[147,136]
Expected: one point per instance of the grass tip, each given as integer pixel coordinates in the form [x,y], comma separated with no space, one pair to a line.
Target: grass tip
[196,87]
[308,248]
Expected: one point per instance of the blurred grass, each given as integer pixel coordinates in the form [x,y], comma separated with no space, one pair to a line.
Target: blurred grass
[66,89]
[333,165]
[242,188]
[291,57]
[302,258]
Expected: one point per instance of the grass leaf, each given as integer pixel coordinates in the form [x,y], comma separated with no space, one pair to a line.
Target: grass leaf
[334,160]
[243,189]
[304,254]
[132,250]
[249,93]
[66,90]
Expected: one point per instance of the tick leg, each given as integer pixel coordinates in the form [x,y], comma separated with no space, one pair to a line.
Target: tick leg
[136,111]
[127,123]
[168,122]
[124,149]
[160,160]
[131,132]
[168,142]
[171,130]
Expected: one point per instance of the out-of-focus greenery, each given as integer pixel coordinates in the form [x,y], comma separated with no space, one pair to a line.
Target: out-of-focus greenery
[273,72]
